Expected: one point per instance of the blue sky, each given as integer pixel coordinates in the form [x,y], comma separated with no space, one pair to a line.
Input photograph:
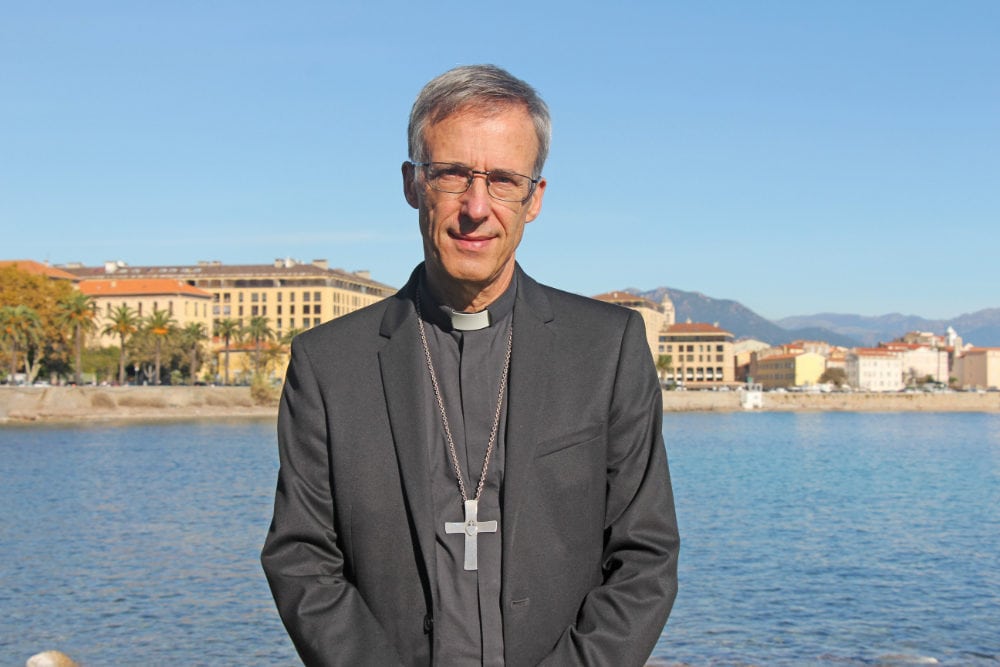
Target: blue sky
[798,157]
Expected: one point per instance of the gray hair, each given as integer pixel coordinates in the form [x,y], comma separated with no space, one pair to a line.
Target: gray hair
[486,88]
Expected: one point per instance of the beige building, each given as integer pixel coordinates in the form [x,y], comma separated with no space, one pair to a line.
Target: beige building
[979,368]
[802,369]
[292,295]
[920,361]
[874,369]
[655,316]
[744,351]
[701,355]
[184,303]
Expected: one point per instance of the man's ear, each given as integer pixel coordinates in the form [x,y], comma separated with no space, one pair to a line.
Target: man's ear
[535,203]
[410,184]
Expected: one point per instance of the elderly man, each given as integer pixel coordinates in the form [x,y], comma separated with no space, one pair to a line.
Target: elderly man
[472,471]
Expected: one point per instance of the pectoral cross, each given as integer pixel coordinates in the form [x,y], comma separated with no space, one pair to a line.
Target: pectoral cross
[471,527]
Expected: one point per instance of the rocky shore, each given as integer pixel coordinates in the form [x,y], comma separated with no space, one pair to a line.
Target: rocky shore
[89,404]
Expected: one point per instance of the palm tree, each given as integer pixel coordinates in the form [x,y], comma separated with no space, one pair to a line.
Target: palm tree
[160,324]
[20,326]
[228,329]
[78,313]
[192,336]
[286,338]
[664,363]
[258,330]
[124,322]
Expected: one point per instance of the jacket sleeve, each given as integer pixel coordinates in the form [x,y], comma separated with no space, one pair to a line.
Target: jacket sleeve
[325,615]
[620,621]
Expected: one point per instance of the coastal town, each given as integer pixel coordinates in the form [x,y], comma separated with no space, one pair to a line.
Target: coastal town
[217,324]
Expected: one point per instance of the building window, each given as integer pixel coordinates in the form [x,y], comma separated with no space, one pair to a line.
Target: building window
[253,311]
[291,309]
[279,305]
[315,296]
[316,309]
[291,297]
[278,297]
[263,310]
[254,297]
[305,296]
[240,311]
[305,309]
[226,297]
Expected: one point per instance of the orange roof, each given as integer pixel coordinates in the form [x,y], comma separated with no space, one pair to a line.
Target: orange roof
[695,328]
[38,269]
[140,287]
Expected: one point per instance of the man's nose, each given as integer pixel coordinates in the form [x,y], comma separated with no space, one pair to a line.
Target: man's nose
[476,200]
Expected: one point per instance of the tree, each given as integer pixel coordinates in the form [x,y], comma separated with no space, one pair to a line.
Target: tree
[258,330]
[664,363]
[191,338]
[228,330]
[20,327]
[835,376]
[78,313]
[160,324]
[124,323]
[42,295]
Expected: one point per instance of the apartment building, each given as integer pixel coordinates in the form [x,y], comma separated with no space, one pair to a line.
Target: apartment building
[802,369]
[978,368]
[184,303]
[292,295]
[920,361]
[701,355]
[874,369]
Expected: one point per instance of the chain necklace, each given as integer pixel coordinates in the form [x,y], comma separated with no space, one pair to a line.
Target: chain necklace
[471,526]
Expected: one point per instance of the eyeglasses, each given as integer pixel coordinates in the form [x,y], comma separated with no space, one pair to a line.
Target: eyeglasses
[457,178]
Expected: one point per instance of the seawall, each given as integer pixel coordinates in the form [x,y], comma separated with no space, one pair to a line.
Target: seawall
[72,404]
[26,404]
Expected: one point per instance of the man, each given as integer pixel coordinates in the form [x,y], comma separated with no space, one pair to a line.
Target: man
[472,471]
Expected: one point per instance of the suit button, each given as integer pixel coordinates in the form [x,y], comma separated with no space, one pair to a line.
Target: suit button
[428,624]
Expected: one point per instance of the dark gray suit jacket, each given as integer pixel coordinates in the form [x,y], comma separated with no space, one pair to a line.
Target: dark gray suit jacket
[589,534]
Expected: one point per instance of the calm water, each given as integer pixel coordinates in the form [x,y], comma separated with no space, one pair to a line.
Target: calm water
[829,539]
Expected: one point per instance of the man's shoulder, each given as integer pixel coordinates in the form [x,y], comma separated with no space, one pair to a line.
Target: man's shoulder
[578,307]
[355,327]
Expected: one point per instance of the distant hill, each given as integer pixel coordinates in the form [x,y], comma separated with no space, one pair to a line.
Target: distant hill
[739,320]
[981,328]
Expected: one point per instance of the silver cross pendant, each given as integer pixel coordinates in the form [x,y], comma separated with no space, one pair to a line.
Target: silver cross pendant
[471,527]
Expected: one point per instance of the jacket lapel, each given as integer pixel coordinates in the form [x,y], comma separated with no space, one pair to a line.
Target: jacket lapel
[531,376]
[402,367]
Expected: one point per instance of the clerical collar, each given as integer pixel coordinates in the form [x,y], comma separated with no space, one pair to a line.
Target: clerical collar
[449,319]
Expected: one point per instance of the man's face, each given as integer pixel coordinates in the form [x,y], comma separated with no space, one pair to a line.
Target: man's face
[470,238]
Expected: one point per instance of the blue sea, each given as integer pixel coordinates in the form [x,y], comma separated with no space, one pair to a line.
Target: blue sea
[807,539]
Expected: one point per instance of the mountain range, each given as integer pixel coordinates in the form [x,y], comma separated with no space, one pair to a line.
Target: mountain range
[981,328]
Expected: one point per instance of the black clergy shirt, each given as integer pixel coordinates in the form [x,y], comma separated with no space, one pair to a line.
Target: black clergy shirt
[468,626]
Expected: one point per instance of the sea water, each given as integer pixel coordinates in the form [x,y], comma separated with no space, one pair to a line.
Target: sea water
[826,538]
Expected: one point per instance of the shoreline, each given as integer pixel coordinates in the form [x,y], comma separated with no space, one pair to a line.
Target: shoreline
[27,405]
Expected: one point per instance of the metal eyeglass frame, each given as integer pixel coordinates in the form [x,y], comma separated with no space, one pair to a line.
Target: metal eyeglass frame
[472,173]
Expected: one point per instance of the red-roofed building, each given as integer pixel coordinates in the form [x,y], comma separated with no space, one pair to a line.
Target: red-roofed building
[186,304]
